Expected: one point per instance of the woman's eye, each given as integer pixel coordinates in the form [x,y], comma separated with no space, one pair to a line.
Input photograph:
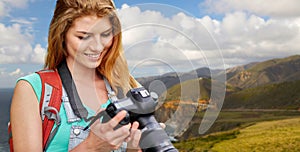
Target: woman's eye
[84,37]
[106,34]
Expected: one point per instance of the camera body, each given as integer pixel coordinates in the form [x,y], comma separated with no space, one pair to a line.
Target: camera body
[140,107]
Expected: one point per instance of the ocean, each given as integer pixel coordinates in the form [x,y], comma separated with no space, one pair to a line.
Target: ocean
[5,100]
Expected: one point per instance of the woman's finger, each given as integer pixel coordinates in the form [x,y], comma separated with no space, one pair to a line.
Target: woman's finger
[162,125]
[135,135]
[117,119]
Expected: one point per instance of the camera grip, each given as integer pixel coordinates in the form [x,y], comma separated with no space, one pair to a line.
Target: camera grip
[112,111]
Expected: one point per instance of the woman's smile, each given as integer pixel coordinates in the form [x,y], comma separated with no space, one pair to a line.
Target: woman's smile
[93,55]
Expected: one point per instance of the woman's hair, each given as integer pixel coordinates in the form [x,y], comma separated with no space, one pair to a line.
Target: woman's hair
[113,65]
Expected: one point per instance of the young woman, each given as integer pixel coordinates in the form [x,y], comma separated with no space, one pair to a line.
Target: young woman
[84,39]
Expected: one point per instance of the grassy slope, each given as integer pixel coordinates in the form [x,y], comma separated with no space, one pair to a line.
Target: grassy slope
[279,135]
[282,135]
[273,96]
[196,88]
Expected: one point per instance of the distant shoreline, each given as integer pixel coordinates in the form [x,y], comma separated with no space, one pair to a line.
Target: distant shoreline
[5,101]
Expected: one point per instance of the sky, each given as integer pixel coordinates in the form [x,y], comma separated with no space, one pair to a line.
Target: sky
[161,36]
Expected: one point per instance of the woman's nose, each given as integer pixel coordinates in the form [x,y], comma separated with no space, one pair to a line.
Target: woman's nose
[97,45]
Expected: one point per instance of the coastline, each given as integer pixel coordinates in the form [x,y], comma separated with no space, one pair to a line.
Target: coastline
[5,95]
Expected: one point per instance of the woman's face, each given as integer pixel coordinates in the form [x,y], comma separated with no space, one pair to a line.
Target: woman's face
[87,40]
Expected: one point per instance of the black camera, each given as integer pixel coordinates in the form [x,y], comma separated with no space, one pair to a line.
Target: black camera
[140,107]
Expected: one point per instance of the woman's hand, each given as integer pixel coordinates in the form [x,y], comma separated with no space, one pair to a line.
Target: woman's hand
[135,136]
[103,137]
[134,139]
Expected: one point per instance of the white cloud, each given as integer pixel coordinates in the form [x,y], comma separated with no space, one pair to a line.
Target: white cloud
[272,8]
[16,35]
[2,9]
[7,5]
[38,54]
[17,72]
[16,3]
[16,45]
[149,35]
[241,37]
[257,37]
[2,71]
[8,76]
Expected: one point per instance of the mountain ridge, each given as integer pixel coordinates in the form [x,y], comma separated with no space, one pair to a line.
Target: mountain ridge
[267,72]
[278,73]
[245,76]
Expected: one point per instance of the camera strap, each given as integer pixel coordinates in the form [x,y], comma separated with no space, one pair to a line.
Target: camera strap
[74,99]
[70,88]
[111,93]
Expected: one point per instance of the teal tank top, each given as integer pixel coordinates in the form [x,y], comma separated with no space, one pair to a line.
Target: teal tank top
[60,141]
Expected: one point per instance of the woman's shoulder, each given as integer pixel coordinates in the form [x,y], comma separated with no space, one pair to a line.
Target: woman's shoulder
[30,77]
[35,81]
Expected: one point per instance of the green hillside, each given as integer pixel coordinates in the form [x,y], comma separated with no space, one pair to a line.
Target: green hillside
[275,62]
[283,95]
[267,72]
[282,135]
[273,96]
[268,102]
[276,135]
[197,88]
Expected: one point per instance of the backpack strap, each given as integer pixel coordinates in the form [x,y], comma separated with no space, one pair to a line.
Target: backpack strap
[50,103]
[10,140]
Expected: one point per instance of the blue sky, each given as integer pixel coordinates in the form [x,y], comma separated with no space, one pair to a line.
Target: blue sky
[167,36]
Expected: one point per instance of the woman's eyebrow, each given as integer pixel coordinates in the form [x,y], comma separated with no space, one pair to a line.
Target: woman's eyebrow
[88,33]
[108,30]
[84,32]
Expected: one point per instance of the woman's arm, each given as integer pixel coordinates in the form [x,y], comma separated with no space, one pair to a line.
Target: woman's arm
[25,119]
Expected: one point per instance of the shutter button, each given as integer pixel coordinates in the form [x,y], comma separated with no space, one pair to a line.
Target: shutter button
[76,131]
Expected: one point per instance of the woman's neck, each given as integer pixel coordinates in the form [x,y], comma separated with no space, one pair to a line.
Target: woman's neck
[90,85]
[81,73]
